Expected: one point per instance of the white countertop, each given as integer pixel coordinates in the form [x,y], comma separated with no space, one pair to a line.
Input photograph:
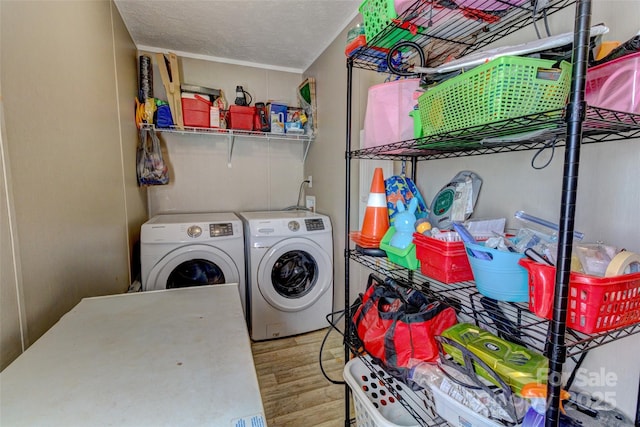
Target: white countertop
[179,357]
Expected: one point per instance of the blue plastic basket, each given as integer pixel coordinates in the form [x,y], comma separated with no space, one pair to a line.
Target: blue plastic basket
[497,273]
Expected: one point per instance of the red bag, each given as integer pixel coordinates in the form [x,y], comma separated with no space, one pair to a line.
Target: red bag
[375,316]
[396,325]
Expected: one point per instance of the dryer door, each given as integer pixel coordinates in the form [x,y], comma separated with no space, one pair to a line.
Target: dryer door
[294,273]
[193,265]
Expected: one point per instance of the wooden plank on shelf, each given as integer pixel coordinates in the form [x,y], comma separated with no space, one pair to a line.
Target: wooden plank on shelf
[175,88]
[166,82]
[171,82]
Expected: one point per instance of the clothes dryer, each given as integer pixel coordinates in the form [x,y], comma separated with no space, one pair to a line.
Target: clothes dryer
[289,256]
[195,249]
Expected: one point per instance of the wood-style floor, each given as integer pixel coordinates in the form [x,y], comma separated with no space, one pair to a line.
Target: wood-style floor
[294,391]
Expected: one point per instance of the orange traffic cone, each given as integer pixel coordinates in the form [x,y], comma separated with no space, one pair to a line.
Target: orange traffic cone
[376,215]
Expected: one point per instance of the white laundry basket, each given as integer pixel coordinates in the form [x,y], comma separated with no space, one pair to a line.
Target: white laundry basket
[375,406]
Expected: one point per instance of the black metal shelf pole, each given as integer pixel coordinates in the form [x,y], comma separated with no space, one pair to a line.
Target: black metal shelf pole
[575,117]
[414,169]
[347,213]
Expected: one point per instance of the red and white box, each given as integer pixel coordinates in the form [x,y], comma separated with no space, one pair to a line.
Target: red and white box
[196,110]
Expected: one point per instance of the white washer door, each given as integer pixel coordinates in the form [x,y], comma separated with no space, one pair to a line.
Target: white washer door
[193,265]
[294,273]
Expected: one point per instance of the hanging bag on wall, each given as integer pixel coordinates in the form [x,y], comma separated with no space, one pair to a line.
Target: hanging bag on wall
[151,168]
[396,325]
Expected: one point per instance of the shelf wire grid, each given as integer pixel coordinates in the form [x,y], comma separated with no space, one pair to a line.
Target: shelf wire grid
[532,132]
[188,130]
[446,32]
[532,330]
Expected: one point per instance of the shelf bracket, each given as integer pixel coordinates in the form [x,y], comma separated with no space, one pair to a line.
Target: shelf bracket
[307,145]
[230,142]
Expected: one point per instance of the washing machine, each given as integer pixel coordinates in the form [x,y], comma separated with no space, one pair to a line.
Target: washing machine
[193,249]
[289,256]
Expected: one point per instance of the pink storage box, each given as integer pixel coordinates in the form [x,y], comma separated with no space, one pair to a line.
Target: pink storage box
[615,85]
[387,117]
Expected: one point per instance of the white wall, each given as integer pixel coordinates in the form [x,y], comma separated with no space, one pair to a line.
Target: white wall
[12,316]
[68,81]
[263,174]
[608,196]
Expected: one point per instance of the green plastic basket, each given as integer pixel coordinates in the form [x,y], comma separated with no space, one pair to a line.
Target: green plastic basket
[405,257]
[507,87]
[376,16]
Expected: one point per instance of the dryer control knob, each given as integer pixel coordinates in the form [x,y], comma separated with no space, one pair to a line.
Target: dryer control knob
[294,225]
[194,231]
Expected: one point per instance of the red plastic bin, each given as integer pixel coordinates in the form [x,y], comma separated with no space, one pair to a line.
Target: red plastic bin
[241,117]
[196,110]
[443,260]
[596,304]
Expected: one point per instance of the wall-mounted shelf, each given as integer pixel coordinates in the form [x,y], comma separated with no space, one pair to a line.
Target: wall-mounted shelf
[231,135]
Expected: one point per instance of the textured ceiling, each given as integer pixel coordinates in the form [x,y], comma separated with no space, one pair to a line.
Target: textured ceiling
[280,34]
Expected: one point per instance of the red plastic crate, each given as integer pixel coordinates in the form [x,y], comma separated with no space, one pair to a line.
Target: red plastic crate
[196,110]
[596,304]
[354,45]
[444,261]
[241,117]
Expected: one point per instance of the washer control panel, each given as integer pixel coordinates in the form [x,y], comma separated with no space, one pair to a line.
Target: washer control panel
[194,231]
[294,225]
[221,229]
[314,224]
